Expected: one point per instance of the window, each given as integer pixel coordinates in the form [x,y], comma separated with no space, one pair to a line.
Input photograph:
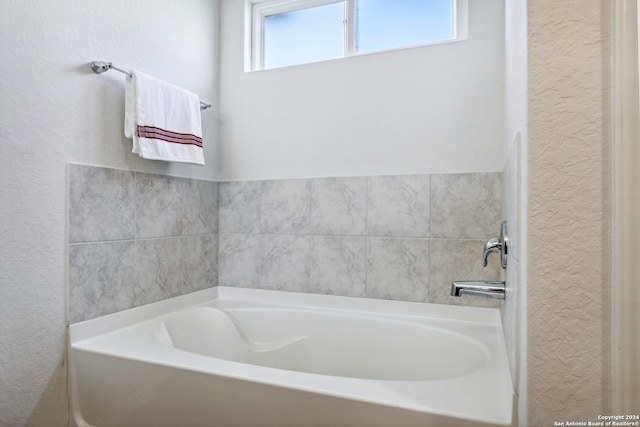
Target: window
[289,32]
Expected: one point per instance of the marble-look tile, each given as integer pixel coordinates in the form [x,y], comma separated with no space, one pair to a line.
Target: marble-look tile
[466,205]
[286,206]
[199,262]
[200,201]
[101,205]
[239,206]
[159,205]
[309,237]
[286,262]
[339,206]
[398,206]
[398,269]
[239,260]
[101,279]
[453,260]
[158,270]
[338,266]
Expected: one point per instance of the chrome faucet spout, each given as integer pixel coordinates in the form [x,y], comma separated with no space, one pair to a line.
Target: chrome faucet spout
[479,288]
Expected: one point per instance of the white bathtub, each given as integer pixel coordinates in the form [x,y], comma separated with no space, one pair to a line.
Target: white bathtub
[244,357]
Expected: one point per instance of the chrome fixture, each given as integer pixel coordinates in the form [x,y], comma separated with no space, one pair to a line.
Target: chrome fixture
[486,289]
[100,67]
[497,245]
[483,288]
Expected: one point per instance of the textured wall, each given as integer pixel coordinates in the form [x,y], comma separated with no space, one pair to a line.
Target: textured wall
[55,110]
[567,277]
[137,238]
[397,237]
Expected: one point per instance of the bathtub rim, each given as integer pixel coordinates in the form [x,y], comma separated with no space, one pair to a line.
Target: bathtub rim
[94,328]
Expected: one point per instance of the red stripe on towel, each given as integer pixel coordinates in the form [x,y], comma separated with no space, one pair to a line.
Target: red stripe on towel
[168,136]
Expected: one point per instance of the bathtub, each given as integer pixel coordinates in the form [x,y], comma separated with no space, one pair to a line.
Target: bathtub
[246,357]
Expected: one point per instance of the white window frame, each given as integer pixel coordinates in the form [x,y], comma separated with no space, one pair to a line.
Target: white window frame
[257,10]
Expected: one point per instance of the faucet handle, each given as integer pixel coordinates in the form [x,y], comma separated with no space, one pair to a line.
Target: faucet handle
[492,245]
[497,245]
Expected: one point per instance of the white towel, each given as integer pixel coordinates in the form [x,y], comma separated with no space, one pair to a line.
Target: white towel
[163,120]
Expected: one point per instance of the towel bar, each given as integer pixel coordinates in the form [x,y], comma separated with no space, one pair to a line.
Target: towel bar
[100,67]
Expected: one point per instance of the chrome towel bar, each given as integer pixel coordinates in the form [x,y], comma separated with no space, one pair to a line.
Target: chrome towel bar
[100,67]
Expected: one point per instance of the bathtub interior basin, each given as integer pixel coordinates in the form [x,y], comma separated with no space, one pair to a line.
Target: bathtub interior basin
[244,357]
[325,343]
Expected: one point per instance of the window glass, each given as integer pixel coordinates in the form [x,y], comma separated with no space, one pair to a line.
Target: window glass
[389,24]
[305,35]
[290,32]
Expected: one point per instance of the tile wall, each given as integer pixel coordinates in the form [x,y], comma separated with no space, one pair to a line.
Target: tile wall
[137,238]
[392,237]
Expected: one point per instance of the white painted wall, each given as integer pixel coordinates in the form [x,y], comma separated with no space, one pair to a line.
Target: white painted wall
[431,109]
[55,110]
[515,196]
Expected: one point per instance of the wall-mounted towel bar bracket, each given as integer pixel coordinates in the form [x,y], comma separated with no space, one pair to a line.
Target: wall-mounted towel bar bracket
[100,67]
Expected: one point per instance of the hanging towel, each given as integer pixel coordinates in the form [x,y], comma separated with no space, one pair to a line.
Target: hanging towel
[163,120]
